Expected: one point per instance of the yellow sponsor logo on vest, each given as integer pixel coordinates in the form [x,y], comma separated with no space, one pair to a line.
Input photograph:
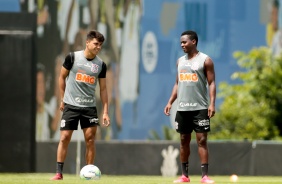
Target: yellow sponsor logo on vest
[188,77]
[80,77]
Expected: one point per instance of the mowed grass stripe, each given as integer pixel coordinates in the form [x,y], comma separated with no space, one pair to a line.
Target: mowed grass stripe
[38,178]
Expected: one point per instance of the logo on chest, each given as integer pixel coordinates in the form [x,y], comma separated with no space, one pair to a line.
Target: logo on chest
[188,77]
[94,68]
[80,77]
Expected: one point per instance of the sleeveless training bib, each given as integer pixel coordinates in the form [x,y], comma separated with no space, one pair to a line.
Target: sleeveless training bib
[192,92]
[82,81]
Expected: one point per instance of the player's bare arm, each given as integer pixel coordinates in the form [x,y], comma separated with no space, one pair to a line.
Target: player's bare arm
[104,99]
[173,95]
[62,85]
[209,69]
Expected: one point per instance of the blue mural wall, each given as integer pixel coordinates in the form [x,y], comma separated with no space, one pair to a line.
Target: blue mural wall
[145,71]
[10,6]
[223,27]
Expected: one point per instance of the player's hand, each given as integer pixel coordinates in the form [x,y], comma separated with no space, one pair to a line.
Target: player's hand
[167,109]
[106,120]
[211,111]
[62,106]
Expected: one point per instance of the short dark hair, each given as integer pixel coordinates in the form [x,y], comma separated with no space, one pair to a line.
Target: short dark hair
[192,35]
[95,34]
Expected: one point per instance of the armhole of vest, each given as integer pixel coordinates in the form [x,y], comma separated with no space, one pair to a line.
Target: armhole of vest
[72,58]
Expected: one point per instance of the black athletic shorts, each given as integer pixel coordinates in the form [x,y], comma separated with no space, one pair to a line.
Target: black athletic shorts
[187,121]
[72,115]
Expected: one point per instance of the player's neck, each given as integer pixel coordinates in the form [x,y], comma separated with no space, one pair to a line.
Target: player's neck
[88,55]
[192,54]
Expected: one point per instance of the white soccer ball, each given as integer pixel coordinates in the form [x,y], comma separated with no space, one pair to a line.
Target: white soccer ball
[90,172]
[234,178]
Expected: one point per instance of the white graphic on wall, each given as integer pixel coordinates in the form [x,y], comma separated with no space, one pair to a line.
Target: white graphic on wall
[130,55]
[150,52]
[169,167]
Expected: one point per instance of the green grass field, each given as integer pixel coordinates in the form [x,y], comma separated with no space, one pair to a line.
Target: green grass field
[35,178]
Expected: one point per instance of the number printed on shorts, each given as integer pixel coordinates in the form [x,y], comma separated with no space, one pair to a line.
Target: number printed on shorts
[176,125]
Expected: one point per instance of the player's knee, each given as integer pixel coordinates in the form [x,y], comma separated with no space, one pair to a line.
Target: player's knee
[202,142]
[185,139]
[65,139]
[90,140]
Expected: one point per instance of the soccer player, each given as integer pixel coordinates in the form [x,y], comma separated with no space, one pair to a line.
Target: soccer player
[78,78]
[195,79]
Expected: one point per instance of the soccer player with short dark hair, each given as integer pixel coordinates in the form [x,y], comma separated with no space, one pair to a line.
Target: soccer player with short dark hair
[79,76]
[195,91]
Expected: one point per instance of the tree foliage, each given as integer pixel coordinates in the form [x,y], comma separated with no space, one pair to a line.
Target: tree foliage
[251,109]
[168,133]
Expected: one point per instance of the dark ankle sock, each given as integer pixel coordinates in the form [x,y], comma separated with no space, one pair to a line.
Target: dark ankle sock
[204,168]
[184,167]
[59,168]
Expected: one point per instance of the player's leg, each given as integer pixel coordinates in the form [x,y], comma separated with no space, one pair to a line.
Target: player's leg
[182,127]
[203,151]
[185,140]
[69,123]
[202,127]
[89,136]
[204,156]
[89,122]
[65,138]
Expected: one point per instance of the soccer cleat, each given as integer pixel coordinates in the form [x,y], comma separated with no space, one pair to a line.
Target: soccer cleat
[58,176]
[206,179]
[182,179]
